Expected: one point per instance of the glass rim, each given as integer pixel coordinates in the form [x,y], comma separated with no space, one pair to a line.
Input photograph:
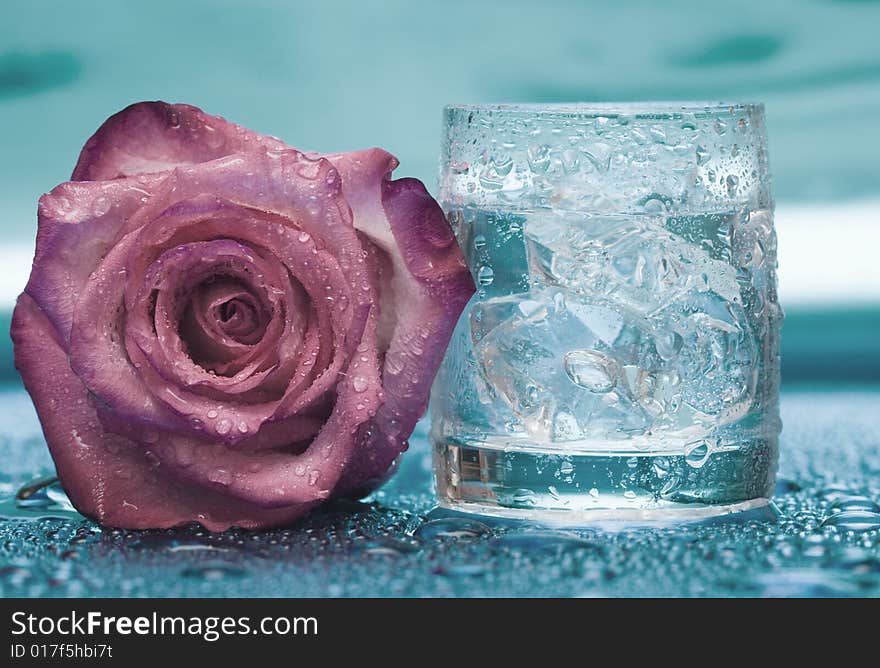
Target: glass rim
[648,108]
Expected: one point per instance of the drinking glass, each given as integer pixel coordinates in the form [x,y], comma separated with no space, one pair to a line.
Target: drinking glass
[620,359]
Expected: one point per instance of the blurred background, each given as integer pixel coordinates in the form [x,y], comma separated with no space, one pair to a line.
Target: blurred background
[354,73]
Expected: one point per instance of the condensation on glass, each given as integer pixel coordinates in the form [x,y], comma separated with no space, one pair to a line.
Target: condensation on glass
[620,358]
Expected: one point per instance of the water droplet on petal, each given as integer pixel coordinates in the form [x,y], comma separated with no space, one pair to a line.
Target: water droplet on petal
[220,476]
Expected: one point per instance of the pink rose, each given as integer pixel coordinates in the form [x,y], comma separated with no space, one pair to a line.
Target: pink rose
[223,329]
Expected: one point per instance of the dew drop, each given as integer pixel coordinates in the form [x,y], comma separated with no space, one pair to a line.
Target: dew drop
[212,571]
[702,155]
[101,206]
[732,183]
[856,503]
[591,370]
[697,454]
[854,520]
[485,275]
[524,497]
[220,476]
[452,528]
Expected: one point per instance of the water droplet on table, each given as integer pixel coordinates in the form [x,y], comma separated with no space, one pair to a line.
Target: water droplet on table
[854,520]
[454,528]
[213,571]
[43,498]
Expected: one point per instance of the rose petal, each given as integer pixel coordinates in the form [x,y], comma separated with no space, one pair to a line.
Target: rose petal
[78,224]
[267,477]
[150,137]
[429,288]
[174,275]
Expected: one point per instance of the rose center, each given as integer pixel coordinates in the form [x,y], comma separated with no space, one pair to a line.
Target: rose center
[223,318]
[237,317]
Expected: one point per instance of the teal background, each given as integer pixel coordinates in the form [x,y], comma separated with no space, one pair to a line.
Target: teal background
[354,73]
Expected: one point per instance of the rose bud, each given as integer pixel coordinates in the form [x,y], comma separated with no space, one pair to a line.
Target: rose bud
[223,329]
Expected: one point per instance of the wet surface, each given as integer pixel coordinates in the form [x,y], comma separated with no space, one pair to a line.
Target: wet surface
[823,541]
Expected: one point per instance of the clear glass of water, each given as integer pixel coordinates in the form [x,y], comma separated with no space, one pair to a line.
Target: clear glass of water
[620,359]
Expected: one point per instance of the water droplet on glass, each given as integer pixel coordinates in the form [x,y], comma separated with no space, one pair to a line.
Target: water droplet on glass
[654,205]
[697,454]
[485,275]
[661,467]
[524,497]
[539,158]
[531,395]
[732,182]
[702,155]
[591,370]
[559,302]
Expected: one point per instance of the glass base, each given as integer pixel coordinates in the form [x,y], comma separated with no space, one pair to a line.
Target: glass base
[583,488]
[606,516]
